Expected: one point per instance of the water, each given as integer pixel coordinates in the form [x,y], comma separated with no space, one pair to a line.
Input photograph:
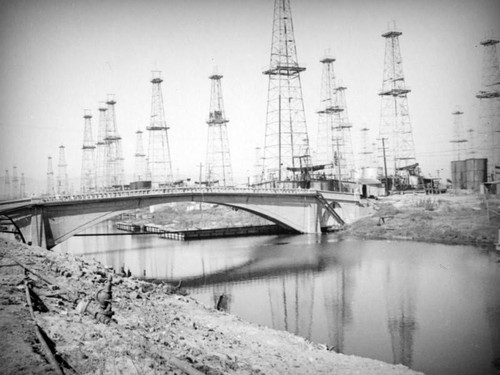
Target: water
[432,307]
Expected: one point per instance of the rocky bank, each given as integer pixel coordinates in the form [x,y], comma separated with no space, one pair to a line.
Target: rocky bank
[156,329]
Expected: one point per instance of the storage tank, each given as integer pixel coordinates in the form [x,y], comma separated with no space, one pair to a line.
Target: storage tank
[476,172]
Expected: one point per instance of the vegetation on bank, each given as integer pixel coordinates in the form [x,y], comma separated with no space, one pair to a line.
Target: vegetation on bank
[448,218]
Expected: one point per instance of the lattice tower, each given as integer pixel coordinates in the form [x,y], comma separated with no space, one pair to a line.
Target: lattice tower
[101,149]
[159,163]
[257,167]
[50,178]
[22,188]
[88,177]
[471,140]
[15,183]
[139,158]
[114,161]
[367,152]
[395,125]
[329,109]
[62,172]
[342,137]
[7,185]
[458,139]
[286,142]
[218,168]
[489,110]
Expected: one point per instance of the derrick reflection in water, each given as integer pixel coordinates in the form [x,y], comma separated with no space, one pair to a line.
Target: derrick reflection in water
[433,307]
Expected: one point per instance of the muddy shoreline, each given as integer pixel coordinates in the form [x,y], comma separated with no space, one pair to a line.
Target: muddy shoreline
[157,329]
[452,219]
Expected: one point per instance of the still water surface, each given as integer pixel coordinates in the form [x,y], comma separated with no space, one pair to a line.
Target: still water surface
[434,308]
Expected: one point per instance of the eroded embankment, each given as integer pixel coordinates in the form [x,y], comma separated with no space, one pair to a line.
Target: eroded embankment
[156,330]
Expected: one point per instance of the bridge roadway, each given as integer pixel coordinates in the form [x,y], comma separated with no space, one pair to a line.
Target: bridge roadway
[48,221]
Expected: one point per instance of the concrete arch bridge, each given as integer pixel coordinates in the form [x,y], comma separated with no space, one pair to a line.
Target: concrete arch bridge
[48,221]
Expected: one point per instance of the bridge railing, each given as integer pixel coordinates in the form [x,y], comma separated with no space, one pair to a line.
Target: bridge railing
[168,190]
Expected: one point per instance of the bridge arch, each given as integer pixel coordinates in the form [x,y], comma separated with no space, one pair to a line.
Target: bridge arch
[53,220]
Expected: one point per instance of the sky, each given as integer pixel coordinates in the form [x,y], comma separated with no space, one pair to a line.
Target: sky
[61,57]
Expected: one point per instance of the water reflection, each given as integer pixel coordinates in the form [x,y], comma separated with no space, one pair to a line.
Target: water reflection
[434,308]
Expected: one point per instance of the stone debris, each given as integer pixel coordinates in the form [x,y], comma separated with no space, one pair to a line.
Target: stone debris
[154,331]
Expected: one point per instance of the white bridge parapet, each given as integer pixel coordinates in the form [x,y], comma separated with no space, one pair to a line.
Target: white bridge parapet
[50,220]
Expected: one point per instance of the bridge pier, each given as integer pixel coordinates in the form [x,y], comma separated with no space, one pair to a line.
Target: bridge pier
[50,221]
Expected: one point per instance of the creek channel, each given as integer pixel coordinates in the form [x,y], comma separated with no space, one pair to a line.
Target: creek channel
[434,308]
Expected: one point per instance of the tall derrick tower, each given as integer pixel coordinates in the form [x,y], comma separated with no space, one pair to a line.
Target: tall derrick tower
[343,139]
[22,188]
[366,154]
[159,164]
[114,157]
[458,135]
[62,173]
[7,184]
[88,156]
[286,146]
[328,110]
[395,126]
[218,163]
[140,169]
[334,128]
[101,149]
[15,183]
[50,178]
[489,110]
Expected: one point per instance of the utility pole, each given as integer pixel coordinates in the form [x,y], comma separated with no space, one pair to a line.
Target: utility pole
[385,167]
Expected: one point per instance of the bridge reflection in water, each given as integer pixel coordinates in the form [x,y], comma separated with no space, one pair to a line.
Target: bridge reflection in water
[434,308]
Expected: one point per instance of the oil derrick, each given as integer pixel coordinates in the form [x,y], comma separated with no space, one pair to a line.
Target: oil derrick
[114,157]
[471,139]
[50,178]
[286,146]
[62,174]
[22,188]
[395,126]
[401,306]
[101,150]
[458,140]
[334,129]
[342,137]
[159,163]
[218,165]
[326,147]
[257,167]
[7,185]
[366,160]
[489,109]
[140,158]
[88,156]
[15,184]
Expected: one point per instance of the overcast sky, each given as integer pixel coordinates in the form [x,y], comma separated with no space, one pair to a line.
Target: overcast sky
[61,57]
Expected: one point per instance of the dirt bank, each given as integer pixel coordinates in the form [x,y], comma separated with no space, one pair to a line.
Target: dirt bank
[446,218]
[156,331]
